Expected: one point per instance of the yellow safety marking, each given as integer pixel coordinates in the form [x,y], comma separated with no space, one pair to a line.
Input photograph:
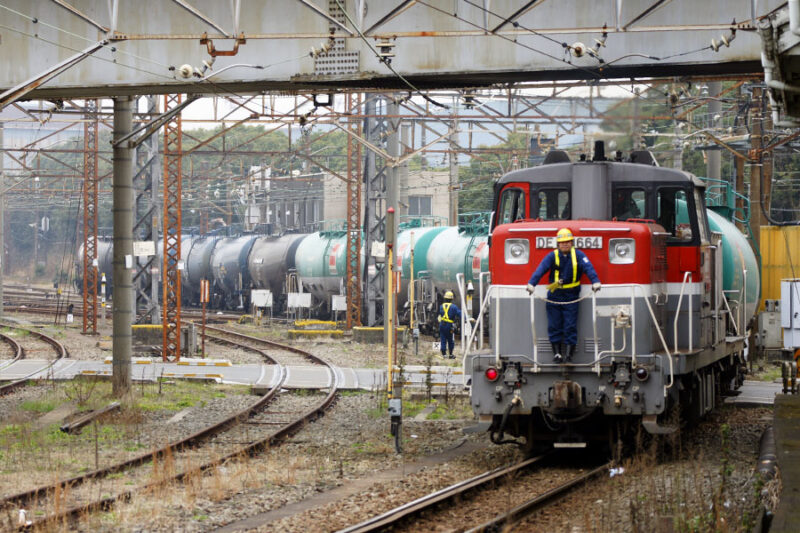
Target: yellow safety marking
[146,326]
[135,361]
[210,362]
[312,332]
[303,323]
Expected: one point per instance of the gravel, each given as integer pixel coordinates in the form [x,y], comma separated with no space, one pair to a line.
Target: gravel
[351,443]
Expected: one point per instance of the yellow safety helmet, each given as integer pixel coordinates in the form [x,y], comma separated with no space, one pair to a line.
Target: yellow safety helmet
[448,295]
[564,235]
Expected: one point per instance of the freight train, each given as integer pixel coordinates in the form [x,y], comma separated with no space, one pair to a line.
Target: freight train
[445,257]
[663,339]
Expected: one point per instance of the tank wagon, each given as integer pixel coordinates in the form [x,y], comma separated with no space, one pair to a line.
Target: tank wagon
[270,260]
[197,265]
[105,257]
[663,336]
[445,258]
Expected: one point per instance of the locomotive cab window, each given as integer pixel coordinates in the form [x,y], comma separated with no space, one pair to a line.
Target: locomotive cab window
[552,204]
[512,206]
[628,203]
[676,215]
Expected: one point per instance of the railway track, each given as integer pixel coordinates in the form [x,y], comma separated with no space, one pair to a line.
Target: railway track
[462,491]
[244,433]
[35,342]
[52,307]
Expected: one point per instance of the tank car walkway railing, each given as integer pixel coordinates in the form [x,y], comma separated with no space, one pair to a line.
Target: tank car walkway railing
[519,292]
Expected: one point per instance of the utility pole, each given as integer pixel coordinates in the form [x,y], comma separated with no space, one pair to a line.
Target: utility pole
[453,156]
[759,171]
[714,157]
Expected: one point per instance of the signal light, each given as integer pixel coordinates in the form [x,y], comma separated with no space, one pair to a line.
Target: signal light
[492,374]
[641,373]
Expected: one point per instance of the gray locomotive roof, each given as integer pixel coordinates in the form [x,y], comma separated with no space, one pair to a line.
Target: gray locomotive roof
[618,172]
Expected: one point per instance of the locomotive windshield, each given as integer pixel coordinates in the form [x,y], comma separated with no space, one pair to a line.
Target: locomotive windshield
[512,206]
[552,204]
[629,203]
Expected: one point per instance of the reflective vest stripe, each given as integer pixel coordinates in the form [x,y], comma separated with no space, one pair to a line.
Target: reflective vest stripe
[575,281]
[446,309]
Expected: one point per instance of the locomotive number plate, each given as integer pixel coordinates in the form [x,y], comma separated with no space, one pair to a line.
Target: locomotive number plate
[585,243]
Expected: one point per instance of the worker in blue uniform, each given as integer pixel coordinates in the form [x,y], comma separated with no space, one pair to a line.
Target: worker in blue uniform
[566,266]
[448,314]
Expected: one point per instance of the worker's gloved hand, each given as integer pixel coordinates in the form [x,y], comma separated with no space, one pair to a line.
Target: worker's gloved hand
[472,319]
[439,318]
[530,288]
[560,282]
[596,286]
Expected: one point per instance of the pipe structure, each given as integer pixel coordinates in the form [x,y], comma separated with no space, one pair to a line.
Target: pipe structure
[123,247]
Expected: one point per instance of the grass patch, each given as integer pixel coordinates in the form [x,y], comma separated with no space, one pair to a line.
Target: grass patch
[768,372]
[39,406]
[455,409]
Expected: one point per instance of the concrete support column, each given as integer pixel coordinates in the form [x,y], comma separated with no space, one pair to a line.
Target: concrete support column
[123,247]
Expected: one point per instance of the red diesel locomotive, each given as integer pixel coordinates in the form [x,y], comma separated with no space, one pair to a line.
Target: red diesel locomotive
[664,335]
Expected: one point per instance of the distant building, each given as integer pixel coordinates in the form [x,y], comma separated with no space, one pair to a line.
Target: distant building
[426,193]
[310,202]
[285,204]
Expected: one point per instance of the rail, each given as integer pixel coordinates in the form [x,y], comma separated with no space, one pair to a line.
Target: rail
[248,449]
[19,353]
[598,356]
[451,493]
[506,520]
[61,353]
[23,498]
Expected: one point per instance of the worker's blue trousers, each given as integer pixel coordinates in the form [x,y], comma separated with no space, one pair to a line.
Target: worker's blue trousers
[446,339]
[562,323]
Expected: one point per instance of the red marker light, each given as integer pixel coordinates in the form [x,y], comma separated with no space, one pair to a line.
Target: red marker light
[492,374]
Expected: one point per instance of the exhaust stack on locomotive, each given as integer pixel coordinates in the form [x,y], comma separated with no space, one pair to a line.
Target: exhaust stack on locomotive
[664,333]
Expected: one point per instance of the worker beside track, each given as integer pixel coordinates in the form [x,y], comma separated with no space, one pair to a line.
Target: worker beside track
[448,314]
[566,266]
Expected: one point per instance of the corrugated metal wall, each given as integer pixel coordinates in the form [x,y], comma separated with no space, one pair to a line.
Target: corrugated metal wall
[780,259]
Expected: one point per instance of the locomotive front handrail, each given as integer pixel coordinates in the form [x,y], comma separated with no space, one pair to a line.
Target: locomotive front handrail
[686,275]
[598,357]
[488,277]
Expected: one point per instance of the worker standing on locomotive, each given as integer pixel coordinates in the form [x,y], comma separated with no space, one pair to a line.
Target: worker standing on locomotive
[566,266]
[448,314]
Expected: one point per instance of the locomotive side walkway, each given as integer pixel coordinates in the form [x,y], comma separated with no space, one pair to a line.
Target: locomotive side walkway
[257,376]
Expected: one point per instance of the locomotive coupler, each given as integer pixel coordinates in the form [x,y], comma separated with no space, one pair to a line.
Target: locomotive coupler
[497,436]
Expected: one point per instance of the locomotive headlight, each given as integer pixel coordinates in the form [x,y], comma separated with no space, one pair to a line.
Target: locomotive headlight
[621,251]
[517,251]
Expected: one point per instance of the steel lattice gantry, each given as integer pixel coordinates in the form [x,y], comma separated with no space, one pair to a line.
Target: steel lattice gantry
[353,275]
[147,213]
[375,170]
[90,214]
[172,233]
